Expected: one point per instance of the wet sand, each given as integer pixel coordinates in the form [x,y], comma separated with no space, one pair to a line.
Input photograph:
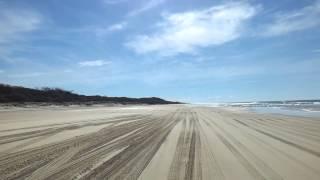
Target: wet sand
[157,142]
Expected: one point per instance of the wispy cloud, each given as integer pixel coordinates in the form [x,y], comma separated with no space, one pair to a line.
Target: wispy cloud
[118,26]
[146,7]
[26,75]
[184,32]
[94,63]
[193,73]
[114,1]
[305,18]
[316,51]
[15,22]
[104,31]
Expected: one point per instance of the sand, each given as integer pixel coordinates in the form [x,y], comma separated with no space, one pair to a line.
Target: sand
[156,142]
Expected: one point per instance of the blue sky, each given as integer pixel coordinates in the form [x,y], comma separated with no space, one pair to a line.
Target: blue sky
[191,50]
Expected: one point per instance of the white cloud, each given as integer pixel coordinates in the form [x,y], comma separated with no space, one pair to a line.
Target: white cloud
[115,27]
[184,32]
[94,63]
[14,23]
[305,18]
[146,7]
[118,26]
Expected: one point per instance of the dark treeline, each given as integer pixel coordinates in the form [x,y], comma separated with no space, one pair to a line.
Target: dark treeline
[16,94]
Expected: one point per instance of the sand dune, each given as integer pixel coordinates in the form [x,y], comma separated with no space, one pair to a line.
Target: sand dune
[157,142]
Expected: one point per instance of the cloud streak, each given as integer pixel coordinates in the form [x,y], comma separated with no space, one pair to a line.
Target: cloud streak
[146,7]
[185,32]
[27,75]
[107,30]
[15,22]
[118,26]
[94,63]
[114,1]
[316,51]
[305,18]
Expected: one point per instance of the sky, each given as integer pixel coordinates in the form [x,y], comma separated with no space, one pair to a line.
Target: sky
[190,50]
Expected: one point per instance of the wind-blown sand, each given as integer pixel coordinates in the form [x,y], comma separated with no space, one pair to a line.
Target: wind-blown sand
[157,142]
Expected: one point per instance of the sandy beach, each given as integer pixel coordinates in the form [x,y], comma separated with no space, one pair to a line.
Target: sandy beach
[156,142]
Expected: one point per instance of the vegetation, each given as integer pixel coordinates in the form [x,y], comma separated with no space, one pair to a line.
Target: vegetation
[16,94]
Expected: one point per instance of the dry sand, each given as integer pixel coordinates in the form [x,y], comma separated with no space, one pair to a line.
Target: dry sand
[156,143]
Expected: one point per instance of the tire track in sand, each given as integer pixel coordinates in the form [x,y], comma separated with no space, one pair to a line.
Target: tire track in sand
[250,161]
[186,162]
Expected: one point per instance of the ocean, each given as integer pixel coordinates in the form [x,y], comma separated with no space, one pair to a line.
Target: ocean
[305,108]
